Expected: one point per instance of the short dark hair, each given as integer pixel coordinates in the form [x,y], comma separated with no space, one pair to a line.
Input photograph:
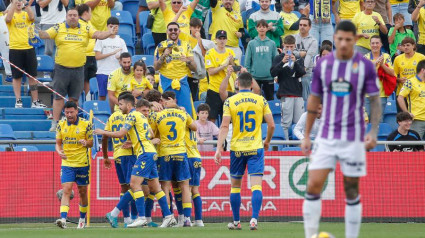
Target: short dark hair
[403,116]
[203,107]
[421,65]
[82,8]
[375,37]
[262,22]
[306,19]
[128,97]
[153,96]
[397,16]
[408,40]
[323,48]
[112,21]
[289,40]
[143,103]
[195,22]
[327,42]
[346,26]
[125,55]
[71,104]
[173,23]
[142,64]
[245,80]
[169,94]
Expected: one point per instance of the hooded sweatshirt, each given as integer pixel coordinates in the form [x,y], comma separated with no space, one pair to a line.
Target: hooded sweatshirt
[259,58]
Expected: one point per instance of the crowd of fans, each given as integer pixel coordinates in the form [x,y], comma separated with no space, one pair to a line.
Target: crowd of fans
[199,56]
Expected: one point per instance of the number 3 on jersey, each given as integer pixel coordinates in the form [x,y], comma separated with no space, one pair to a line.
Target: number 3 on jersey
[246,122]
[173,132]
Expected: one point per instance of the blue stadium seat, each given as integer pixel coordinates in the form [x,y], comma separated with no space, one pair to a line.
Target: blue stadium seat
[132,7]
[143,18]
[391,120]
[275,107]
[291,149]
[94,89]
[391,107]
[47,147]
[44,135]
[7,90]
[126,23]
[98,107]
[9,101]
[128,39]
[3,147]
[25,148]
[6,132]
[45,63]
[24,113]
[23,135]
[148,44]
[148,59]
[197,103]
[97,124]
[28,125]
[383,131]
[276,87]
[1,64]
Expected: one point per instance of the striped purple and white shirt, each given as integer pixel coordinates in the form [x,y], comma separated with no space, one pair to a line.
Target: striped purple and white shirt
[342,86]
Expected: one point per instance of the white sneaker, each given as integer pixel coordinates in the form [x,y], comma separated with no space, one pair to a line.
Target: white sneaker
[81,223]
[139,222]
[198,223]
[253,225]
[18,103]
[54,125]
[169,221]
[234,226]
[61,223]
[180,221]
[37,104]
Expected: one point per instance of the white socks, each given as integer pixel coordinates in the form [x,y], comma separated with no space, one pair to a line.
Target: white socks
[353,218]
[312,210]
[115,212]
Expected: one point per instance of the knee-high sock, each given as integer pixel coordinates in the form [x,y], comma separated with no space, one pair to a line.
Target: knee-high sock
[178,200]
[312,210]
[139,198]
[83,211]
[353,217]
[162,201]
[187,209]
[257,200]
[171,204]
[64,211]
[235,202]
[126,208]
[133,209]
[197,202]
[125,199]
[149,205]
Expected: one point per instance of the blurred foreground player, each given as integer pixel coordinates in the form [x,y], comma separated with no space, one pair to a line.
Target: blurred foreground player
[246,110]
[74,135]
[340,80]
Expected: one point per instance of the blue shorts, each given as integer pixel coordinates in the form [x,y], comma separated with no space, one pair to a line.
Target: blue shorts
[145,166]
[127,163]
[174,168]
[79,175]
[195,165]
[240,159]
[102,83]
[119,170]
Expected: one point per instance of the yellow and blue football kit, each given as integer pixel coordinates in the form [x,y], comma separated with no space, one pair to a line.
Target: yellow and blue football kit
[246,110]
[76,167]
[406,67]
[171,123]
[194,157]
[414,91]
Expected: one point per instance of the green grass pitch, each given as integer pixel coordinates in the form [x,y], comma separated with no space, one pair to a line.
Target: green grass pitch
[219,230]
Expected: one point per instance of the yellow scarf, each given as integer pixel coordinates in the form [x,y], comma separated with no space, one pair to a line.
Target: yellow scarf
[322,11]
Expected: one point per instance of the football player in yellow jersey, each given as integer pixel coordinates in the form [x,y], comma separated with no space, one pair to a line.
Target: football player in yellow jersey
[137,128]
[74,137]
[246,110]
[171,123]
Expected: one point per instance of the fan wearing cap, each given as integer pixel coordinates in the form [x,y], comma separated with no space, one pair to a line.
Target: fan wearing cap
[217,60]
[174,60]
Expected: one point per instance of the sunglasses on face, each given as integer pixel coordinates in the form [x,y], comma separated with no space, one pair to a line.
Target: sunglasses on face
[176,2]
[173,29]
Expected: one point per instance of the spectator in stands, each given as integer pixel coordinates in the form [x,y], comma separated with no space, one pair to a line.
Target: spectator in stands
[288,71]
[260,53]
[21,53]
[368,23]
[217,61]
[174,60]
[180,14]
[252,6]
[201,12]
[224,94]
[404,133]
[119,80]
[273,20]
[306,48]
[324,50]
[90,67]
[159,31]
[107,53]
[226,17]
[143,6]
[4,42]
[321,22]
[289,19]
[101,12]
[419,16]
[300,126]
[52,13]
[347,9]
[401,6]
[140,85]
[397,34]
[383,7]
[405,64]
[413,89]
[150,75]
[206,129]
[381,60]
[68,77]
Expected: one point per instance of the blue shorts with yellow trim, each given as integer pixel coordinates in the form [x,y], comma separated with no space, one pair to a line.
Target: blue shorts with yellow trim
[119,171]
[195,165]
[79,175]
[127,163]
[174,168]
[240,159]
[145,166]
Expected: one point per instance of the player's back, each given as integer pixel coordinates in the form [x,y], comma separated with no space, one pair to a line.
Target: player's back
[138,131]
[247,111]
[191,144]
[115,123]
[171,124]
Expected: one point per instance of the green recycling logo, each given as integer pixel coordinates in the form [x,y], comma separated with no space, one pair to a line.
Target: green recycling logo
[299,186]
